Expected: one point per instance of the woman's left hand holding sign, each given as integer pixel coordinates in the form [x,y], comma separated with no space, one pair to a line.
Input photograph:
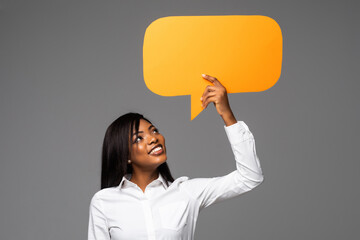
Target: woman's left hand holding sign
[217,94]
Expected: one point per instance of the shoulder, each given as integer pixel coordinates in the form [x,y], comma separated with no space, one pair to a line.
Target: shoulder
[191,182]
[194,186]
[103,195]
[178,181]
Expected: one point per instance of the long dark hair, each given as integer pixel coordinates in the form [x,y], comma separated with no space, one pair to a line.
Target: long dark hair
[115,151]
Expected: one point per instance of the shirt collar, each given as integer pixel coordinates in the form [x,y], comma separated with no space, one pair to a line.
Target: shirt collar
[125,181]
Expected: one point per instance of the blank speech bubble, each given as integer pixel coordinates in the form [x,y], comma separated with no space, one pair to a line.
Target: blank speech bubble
[243,52]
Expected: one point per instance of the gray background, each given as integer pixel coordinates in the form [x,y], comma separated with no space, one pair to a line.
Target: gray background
[69,68]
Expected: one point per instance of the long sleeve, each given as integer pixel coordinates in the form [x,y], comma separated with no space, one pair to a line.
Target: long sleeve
[98,227]
[248,173]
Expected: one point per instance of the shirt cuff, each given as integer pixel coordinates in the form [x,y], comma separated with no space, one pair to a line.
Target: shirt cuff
[237,132]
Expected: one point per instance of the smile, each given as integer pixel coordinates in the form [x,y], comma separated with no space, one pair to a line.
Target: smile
[157,150]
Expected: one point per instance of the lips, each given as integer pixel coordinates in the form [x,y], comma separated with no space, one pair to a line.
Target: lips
[157,149]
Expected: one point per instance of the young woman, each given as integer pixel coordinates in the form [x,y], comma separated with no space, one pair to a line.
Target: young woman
[139,199]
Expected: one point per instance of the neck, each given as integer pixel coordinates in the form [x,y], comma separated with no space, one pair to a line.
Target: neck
[144,178]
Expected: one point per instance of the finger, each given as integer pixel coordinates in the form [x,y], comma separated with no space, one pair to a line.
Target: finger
[209,100]
[208,95]
[208,89]
[213,80]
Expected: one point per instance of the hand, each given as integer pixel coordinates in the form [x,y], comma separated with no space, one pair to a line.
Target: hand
[218,96]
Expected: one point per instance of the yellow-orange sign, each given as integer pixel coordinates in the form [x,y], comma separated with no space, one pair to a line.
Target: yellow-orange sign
[243,52]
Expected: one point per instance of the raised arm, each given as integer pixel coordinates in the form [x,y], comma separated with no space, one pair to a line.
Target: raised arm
[248,173]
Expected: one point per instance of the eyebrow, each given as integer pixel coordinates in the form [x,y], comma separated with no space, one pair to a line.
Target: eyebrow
[151,126]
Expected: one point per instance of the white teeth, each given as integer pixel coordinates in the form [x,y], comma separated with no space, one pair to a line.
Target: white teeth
[155,149]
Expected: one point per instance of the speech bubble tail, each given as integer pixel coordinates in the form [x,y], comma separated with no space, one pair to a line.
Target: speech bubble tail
[196,107]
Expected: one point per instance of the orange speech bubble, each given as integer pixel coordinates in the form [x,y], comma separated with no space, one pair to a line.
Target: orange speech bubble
[243,52]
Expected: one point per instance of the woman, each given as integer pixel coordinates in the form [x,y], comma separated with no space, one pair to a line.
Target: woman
[140,199]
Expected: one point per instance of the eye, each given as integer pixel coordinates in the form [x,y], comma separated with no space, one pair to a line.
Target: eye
[156,130]
[137,139]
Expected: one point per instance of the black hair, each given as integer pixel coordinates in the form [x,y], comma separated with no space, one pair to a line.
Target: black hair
[115,151]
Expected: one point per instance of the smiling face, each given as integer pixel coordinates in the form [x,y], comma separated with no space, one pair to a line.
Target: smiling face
[147,147]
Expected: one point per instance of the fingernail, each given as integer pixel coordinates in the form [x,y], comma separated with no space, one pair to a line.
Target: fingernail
[201,99]
[204,75]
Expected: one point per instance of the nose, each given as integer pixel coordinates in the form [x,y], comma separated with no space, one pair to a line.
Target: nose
[152,139]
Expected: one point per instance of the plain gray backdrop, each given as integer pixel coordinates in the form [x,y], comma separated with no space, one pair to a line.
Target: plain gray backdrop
[70,68]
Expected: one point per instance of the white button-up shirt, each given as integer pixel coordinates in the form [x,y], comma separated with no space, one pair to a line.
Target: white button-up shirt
[161,212]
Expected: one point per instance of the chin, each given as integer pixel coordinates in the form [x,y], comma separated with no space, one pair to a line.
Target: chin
[158,160]
[163,160]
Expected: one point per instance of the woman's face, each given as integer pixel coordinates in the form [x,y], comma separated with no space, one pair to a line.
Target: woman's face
[147,147]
